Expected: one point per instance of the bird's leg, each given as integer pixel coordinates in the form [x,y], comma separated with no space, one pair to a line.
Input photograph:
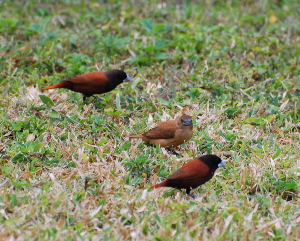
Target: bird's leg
[98,98]
[172,151]
[188,190]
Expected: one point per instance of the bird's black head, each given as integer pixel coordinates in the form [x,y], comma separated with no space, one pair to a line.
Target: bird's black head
[117,76]
[212,161]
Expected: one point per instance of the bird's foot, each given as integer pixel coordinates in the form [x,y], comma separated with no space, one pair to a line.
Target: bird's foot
[191,195]
[173,152]
[98,98]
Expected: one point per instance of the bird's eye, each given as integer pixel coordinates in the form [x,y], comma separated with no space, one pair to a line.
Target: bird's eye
[182,120]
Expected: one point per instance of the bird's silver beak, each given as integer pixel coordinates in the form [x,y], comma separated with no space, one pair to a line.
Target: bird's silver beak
[222,164]
[127,78]
[187,122]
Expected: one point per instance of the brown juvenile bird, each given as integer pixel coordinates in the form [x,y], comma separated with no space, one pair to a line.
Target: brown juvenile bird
[92,83]
[193,174]
[170,133]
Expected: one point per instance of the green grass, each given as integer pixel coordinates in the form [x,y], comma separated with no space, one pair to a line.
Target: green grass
[68,170]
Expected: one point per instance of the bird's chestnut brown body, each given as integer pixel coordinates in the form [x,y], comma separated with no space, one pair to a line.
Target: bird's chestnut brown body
[193,174]
[92,83]
[169,133]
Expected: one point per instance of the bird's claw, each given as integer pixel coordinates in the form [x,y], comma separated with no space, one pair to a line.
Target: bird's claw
[98,98]
[172,151]
[191,195]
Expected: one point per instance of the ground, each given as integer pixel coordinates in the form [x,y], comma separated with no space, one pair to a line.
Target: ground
[68,170]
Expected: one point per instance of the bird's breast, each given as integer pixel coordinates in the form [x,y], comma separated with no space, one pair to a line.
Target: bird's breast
[184,134]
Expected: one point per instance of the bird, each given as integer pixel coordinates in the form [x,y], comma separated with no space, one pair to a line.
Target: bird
[91,83]
[193,174]
[169,134]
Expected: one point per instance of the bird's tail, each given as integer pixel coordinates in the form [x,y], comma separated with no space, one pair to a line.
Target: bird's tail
[135,136]
[162,184]
[65,84]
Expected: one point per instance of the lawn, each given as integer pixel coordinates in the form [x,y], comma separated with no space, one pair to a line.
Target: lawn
[68,170]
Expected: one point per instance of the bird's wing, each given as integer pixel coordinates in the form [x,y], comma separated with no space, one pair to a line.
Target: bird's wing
[164,130]
[92,79]
[191,170]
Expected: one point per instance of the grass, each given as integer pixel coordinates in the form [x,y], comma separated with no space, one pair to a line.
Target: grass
[69,172]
